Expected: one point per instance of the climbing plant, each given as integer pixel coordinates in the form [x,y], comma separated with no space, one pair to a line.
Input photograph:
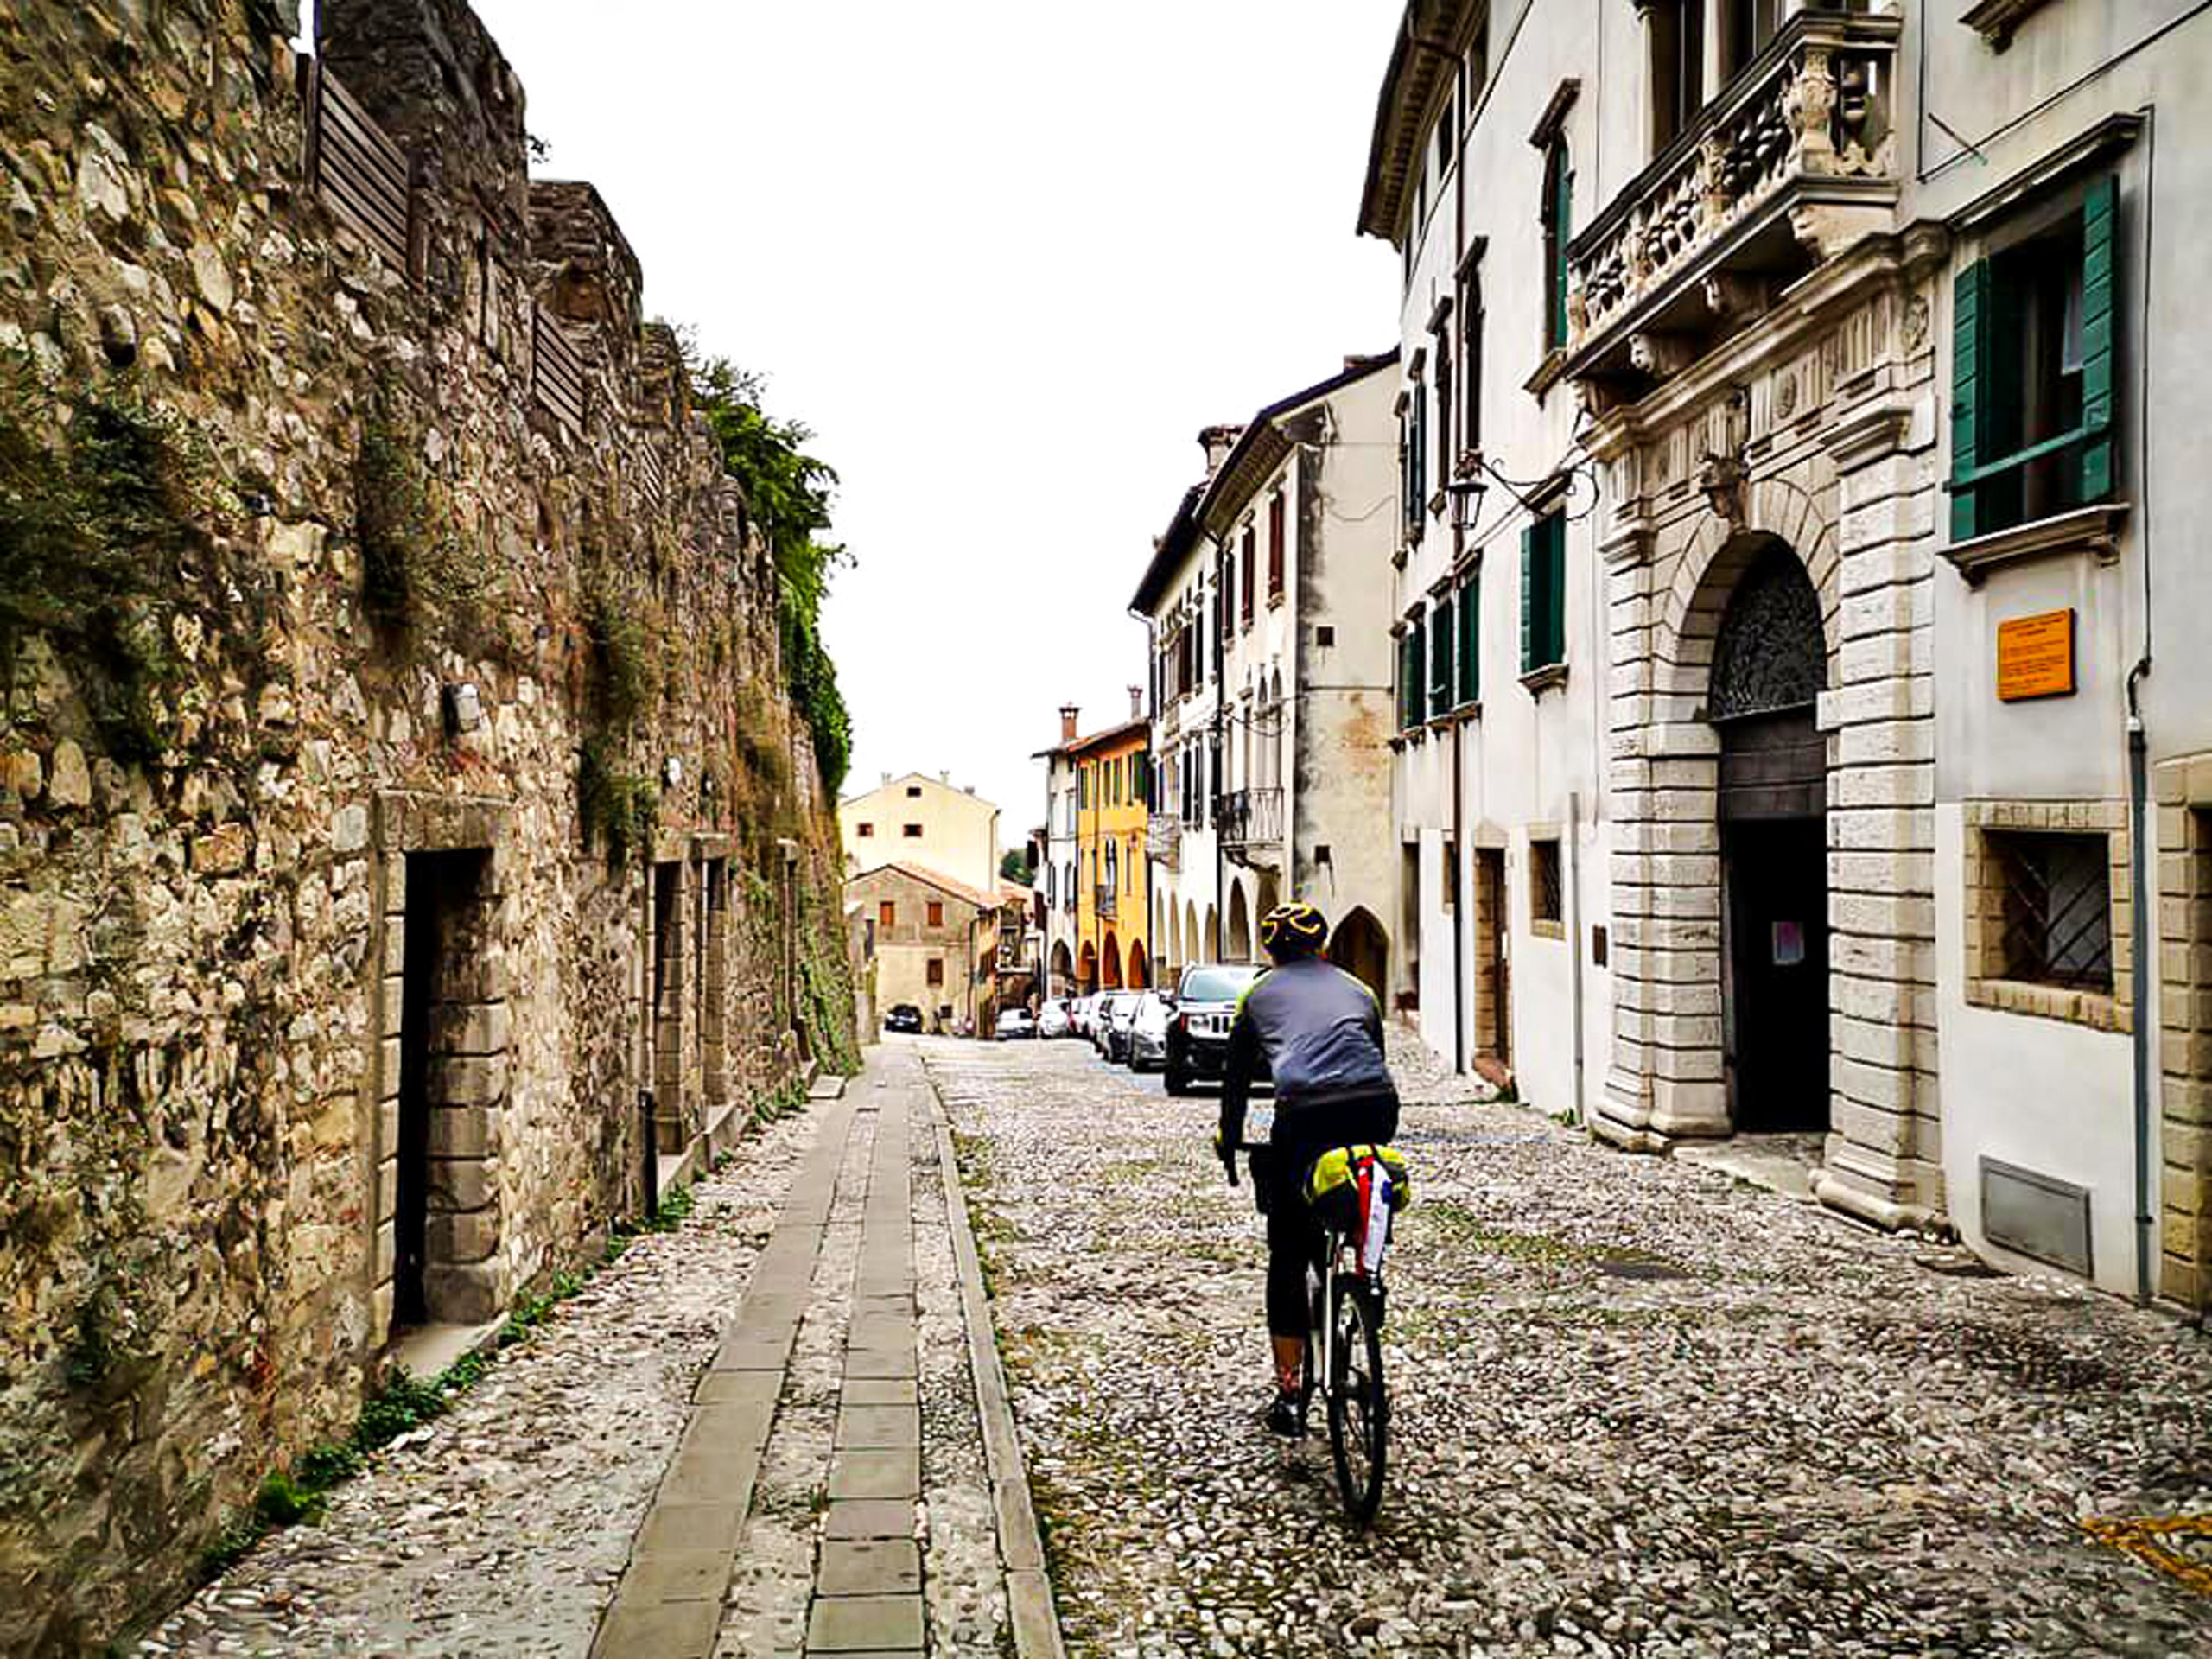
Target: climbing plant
[788,491]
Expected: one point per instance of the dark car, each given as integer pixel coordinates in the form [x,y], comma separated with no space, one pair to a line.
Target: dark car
[903,1016]
[1198,1035]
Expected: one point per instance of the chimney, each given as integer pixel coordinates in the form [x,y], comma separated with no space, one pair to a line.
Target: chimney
[1136,702]
[1067,722]
[1217,442]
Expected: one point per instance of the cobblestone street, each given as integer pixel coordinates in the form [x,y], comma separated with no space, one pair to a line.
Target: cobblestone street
[1641,1408]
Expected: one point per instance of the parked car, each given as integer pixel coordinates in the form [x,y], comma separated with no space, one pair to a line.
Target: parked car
[1056,1018]
[1148,1024]
[1116,1009]
[1016,1022]
[903,1016]
[1083,1015]
[1197,1036]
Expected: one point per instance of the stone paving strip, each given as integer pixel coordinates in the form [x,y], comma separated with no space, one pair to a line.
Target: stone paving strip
[1640,1408]
[798,1467]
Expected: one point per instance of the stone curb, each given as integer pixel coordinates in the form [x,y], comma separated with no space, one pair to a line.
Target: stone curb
[1021,1548]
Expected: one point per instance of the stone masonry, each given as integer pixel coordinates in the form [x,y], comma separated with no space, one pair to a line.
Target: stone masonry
[332,832]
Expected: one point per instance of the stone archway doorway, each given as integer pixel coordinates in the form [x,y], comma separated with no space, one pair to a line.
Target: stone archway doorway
[1110,962]
[1062,969]
[1770,665]
[1239,945]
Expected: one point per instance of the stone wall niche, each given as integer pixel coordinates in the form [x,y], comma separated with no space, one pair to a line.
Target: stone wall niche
[446,1029]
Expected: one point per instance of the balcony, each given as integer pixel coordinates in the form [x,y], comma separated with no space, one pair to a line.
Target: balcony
[1105,906]
[1794,161]
[1163,840]
[1251,818]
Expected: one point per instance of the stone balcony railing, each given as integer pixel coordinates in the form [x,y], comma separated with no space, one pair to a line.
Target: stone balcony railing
[1163,839]
[1794,161]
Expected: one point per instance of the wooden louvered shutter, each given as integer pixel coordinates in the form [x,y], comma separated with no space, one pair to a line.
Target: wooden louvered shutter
[1529,599]
[1442,657]
[2100,279]
[1970,300]
[1274,544]
[1555,588]
[1471,621]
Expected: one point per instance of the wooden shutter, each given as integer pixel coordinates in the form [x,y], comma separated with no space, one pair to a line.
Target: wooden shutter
[1244,597]
[1529,599]
[2100,277]
[1274,544]
[1408,676]
[1470,621]
[1441,658]
[1969,332]
[1555,588]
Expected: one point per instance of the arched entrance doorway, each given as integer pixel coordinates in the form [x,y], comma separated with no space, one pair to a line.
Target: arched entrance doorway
[1239,944]
[1062,969]
[1213,928]
[1140,973]
[1110,962]
[1088,979]
[1769,665]
[1359,945]
[1270,895]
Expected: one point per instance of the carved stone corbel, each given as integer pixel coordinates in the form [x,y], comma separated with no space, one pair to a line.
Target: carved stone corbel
[1661,354]
[1731,298]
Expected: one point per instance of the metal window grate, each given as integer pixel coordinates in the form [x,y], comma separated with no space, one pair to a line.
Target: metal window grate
[2054,912]
[1543,881]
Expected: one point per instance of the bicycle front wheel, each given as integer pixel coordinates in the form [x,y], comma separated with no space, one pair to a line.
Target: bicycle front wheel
[1359,1407]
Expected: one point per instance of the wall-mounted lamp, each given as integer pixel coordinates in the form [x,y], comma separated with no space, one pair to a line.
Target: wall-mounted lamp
[464,708]
[1466,492]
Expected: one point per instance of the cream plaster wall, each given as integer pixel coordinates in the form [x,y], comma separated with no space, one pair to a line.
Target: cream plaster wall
[960,829]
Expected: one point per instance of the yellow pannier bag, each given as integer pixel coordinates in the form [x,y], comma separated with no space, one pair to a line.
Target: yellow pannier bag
[1332,1185]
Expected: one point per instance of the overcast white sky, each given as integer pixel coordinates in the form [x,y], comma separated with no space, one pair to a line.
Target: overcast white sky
[1006,256]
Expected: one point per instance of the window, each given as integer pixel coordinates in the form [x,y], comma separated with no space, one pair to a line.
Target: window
[1113,882]
[1413,457]
[2032,387]
[1244,592]
[1677,36]
[1412,672]
[1470,616]
[935,912]
[937,971]
[1274,544]
[1441,658]
[1543,593]
[1443,405]
[2053,920]
[1447,135]
[912,831]
[865,831]
[1558,214]
[887,914]
[913,792]
[1470,360]
[1545,914]
[1324,636]
[1746,26]
[1451,883]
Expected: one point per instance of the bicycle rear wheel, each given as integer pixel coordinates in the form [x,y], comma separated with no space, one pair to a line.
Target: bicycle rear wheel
[1359,1407]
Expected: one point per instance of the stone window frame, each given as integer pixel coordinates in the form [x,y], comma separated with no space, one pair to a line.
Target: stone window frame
[1547,927]
[1983,897]
[2182,790]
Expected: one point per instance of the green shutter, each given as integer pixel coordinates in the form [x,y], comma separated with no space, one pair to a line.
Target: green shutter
[1471,631]
[1408,678]
[1562,223]
[1555,588]
[1441,657]
[1528,601]
[1970,299]
[2099,277]
[1417,678]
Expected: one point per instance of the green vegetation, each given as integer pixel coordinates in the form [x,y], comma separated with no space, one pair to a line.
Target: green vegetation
[104,504]
[619,807]
[416,574]
[1014,867]
[788,493]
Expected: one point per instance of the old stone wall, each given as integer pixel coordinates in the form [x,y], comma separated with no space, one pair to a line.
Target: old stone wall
[333,565]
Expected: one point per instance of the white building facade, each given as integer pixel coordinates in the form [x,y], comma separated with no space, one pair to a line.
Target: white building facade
[1271,678]
[1861,421]
[1056,882]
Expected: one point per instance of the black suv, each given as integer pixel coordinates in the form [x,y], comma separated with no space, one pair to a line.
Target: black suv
[903,1016]
[1198,1033]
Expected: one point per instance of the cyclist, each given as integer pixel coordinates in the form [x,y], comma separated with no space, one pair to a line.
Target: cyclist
[1320,1031]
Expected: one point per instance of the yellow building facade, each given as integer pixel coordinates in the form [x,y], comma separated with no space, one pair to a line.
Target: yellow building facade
[1114,786]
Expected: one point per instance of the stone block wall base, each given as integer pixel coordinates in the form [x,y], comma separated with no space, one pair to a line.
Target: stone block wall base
[1838,1192]
[467,1296]
[1624,1120]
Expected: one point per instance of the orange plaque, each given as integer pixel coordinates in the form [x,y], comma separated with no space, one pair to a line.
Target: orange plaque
[2035,657]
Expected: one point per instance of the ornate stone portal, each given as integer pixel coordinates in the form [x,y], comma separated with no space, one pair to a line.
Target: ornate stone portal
[1821,418]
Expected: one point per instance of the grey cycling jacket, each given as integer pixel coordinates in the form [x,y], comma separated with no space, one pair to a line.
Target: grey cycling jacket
[1321,1032]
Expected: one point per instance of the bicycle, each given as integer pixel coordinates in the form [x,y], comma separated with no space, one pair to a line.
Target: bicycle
[1345,1299]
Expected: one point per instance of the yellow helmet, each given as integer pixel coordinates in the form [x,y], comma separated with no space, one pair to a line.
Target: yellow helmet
[1294,929]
